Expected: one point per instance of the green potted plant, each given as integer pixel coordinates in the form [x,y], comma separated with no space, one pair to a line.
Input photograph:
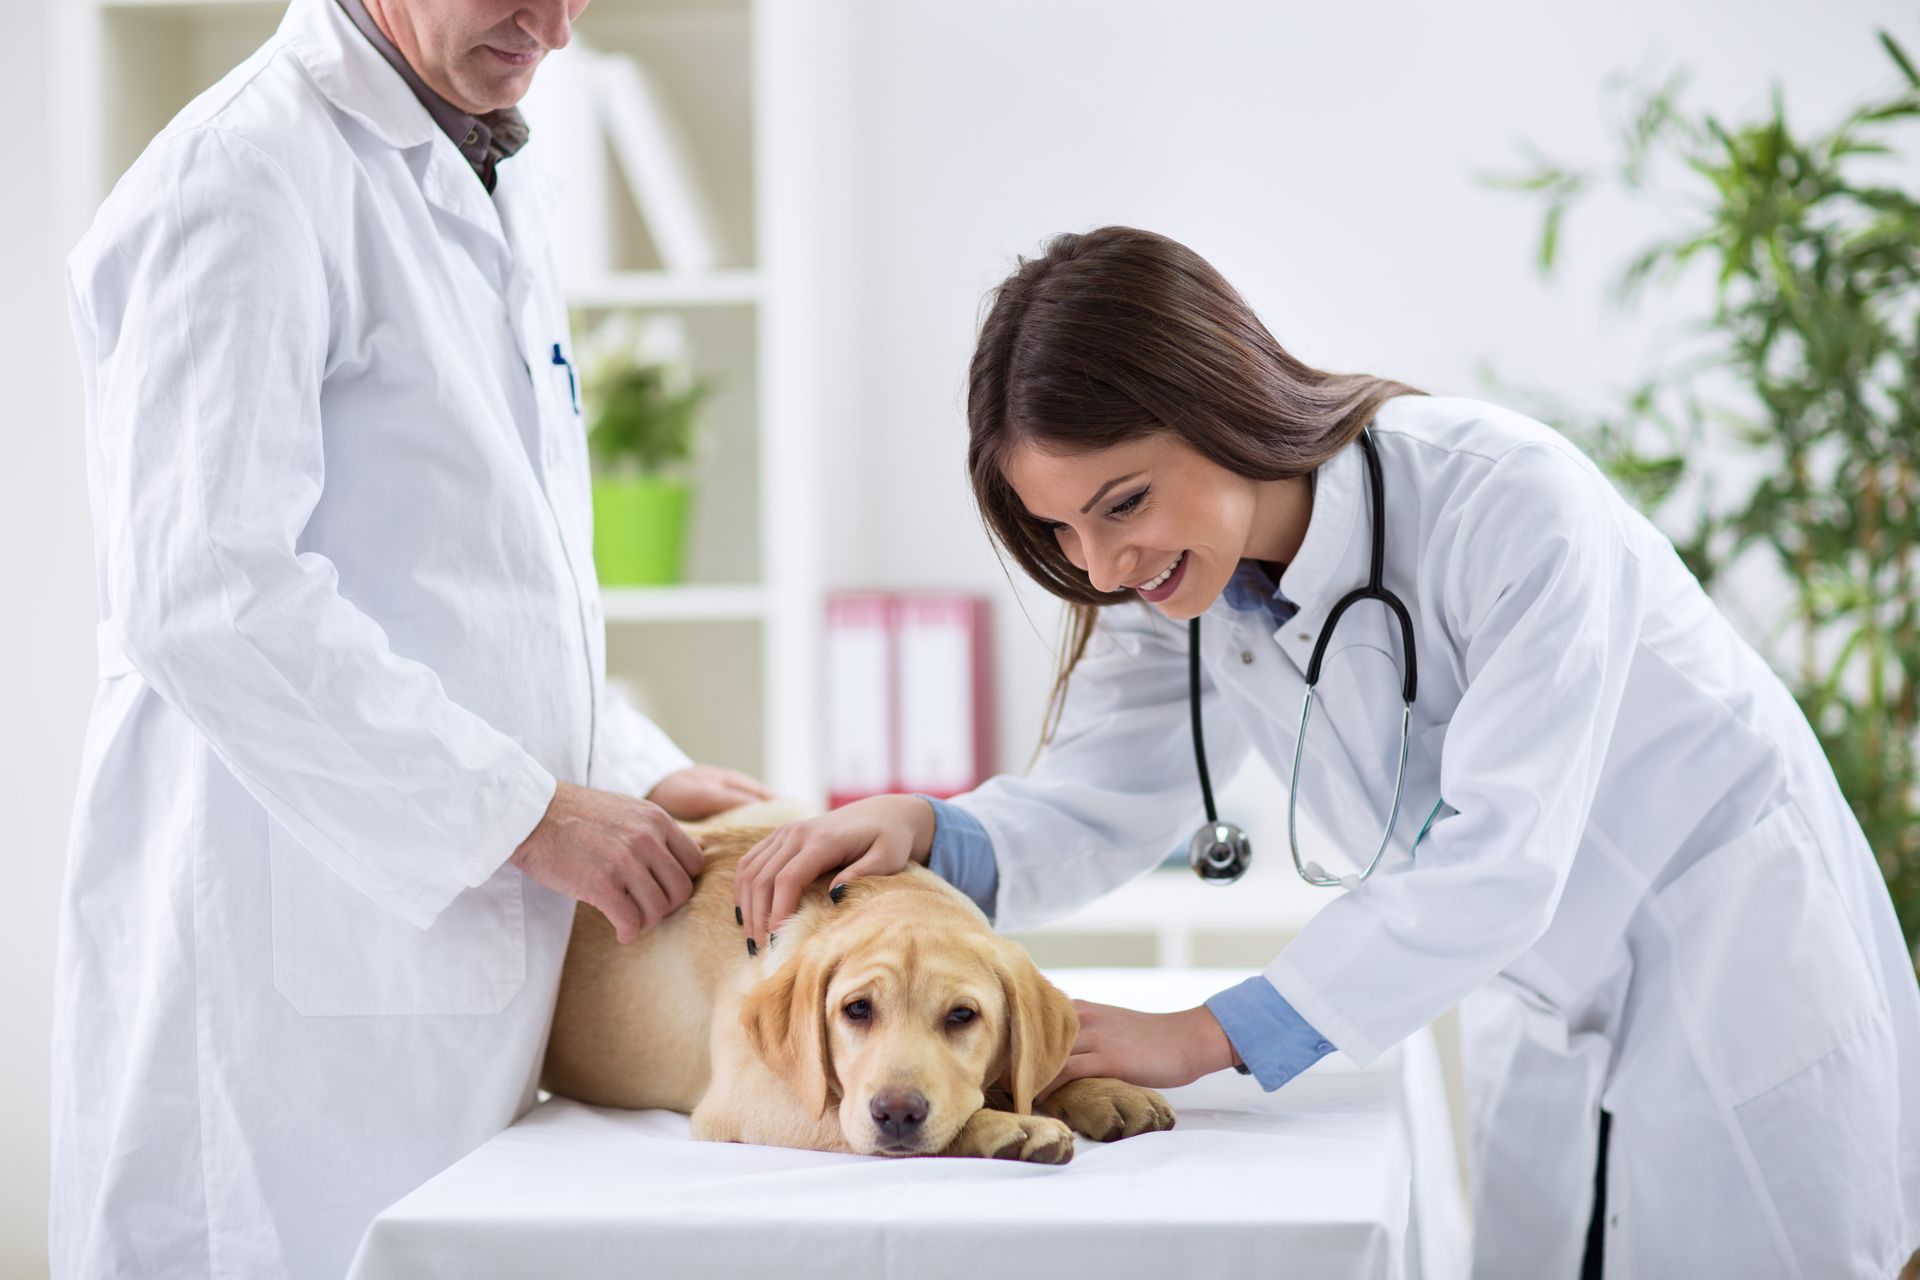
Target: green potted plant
[1810,360]
[643,421]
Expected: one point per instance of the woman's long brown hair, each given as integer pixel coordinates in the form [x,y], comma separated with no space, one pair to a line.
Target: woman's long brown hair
[1113,334]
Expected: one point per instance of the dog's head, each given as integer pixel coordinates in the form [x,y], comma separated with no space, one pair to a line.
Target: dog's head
[903,1008]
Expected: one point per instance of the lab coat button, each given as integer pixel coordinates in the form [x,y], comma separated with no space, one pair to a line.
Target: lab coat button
[1306,635]
[1246,656]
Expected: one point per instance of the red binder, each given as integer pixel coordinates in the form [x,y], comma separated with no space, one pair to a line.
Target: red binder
[909,694]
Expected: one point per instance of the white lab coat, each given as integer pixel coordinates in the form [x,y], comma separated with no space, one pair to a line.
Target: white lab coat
[1645,860]
[351,637]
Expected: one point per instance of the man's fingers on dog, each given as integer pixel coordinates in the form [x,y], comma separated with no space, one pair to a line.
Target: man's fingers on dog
[741,789]
[648,897]
[685,849]
[674,882]
[620,912]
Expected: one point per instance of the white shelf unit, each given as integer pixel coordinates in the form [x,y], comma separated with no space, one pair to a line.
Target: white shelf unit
[728,662]
[655,290]
[684,604]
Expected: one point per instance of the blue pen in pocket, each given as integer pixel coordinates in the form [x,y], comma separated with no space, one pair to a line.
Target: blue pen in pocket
[573,388]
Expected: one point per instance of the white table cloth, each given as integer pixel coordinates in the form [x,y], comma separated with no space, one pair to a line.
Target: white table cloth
[1344,1172]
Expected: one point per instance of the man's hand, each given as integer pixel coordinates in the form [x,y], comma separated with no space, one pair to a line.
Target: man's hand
[704,790]
[1157,1050]
[622,855]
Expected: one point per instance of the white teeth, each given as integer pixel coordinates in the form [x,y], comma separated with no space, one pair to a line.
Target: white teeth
[1163,575]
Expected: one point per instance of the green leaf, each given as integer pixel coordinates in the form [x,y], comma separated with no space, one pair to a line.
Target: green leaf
[1899,56]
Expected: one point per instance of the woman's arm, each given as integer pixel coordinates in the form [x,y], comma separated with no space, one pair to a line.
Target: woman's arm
[1547,599]
[1108,798]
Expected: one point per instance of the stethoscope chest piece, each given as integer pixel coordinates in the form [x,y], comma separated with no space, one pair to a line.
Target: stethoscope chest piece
[1219,853]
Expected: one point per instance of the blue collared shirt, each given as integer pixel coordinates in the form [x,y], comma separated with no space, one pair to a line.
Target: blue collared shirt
[1274,1042]
[1250,590]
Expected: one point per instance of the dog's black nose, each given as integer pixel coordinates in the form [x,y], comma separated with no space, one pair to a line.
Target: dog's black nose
[898,1114]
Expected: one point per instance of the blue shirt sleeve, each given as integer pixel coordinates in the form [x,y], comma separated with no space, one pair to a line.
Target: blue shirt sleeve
[1274,1042]
[963,855]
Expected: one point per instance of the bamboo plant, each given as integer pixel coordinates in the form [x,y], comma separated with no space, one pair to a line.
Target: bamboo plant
[1810,359]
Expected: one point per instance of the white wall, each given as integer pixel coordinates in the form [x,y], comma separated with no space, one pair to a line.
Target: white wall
[46,614]
[1321,157]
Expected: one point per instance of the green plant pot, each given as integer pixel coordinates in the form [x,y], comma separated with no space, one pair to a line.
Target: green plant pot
[639,530]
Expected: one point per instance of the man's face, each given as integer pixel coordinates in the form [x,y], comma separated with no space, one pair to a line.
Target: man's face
[479,55]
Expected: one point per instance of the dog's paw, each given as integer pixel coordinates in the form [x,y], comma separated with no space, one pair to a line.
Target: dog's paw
[1106,1110]
[1002,1135]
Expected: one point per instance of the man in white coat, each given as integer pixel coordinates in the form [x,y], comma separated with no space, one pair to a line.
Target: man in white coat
[351,761]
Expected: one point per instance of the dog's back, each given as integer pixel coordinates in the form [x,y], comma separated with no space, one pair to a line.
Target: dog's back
[632,1022]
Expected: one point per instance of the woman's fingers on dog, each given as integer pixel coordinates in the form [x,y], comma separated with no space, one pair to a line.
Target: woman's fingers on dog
[743,875]
[1078,1066]
[767,880]
[807,864]
[751,871]
[805,860]
[888,855]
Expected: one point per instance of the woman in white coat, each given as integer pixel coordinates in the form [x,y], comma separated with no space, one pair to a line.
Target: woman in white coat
[1637,855]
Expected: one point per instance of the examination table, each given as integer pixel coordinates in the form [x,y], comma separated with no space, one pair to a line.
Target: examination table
[1344,1172]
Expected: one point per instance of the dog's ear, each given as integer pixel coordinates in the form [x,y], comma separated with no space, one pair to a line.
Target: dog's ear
[785,1019]
[1041,1027]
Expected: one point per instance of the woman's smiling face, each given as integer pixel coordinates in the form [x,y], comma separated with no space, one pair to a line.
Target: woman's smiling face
[1156,517]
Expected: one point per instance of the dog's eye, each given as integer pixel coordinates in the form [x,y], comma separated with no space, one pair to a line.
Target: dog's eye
[960,1017]
[858,1011]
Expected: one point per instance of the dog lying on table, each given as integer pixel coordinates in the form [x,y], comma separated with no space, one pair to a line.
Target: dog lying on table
[888,1020]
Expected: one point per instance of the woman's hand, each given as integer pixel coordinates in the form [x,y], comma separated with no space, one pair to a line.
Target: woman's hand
[876,836]
[1155,1050]
[703,790]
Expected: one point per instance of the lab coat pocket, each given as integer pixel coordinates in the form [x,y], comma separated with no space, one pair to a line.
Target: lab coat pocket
[337,952]
[1766,964]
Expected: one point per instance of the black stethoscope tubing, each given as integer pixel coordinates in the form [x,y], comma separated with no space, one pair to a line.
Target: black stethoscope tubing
[1219,852]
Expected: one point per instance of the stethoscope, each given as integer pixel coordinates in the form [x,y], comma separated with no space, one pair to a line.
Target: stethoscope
[1219,852]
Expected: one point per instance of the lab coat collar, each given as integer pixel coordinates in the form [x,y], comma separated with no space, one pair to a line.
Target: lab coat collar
[357,79]
[1339,509]
[352,74]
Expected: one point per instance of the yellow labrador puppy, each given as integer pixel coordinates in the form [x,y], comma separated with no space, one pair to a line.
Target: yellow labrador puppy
[886,1020]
